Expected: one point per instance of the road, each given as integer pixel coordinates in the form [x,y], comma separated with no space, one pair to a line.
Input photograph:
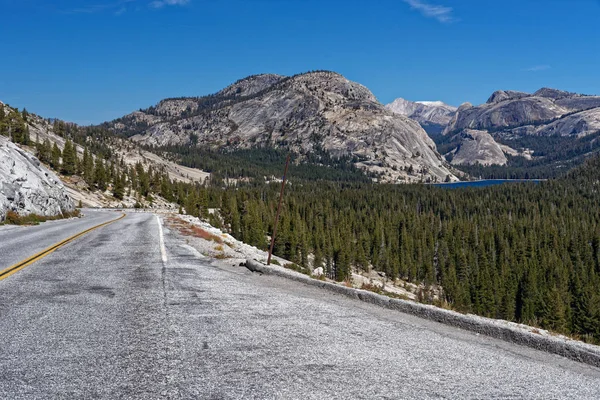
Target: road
[105,317]
[19,242]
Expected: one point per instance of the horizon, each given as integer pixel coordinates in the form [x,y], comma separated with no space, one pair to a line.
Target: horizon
[89,62]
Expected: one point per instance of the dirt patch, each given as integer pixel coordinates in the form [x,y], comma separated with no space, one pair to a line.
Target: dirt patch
[189,229]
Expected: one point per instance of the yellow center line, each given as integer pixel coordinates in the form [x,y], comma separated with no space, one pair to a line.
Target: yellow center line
[20,265]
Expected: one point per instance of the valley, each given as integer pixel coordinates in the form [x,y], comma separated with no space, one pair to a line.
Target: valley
[354,213]
[167,157]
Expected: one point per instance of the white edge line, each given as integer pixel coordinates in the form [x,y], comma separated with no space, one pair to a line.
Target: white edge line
[163,250]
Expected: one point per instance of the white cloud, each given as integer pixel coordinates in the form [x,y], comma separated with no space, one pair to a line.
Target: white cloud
[441,13]
[537,68]
[162,3]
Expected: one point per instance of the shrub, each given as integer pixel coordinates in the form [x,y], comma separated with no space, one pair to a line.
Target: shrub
[297,268]
[13,218]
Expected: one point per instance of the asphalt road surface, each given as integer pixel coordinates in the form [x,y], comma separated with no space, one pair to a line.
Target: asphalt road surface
[19,242]
[106,317]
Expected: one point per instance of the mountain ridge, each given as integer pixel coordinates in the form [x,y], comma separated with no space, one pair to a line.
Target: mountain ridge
[526,125]
[313,111]
[433,116]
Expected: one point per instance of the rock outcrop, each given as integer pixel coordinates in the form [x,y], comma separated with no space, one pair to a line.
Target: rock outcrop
[433,116]
[503,95]
[513,115]
[316,111]
[26,186]
[506,111]
[478,147]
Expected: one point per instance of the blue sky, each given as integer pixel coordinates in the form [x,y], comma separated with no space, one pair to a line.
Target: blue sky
[91,61]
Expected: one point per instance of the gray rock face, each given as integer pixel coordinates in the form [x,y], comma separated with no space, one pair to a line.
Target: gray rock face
[317,110]
[516,114]
[579,124]
[26,187]
[424,112]
[506,113]
[512,111]
[503,95]
[251,85]
[553,93]
[579,103]
[478,147]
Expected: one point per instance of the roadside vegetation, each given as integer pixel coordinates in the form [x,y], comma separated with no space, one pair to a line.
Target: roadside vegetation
[12,218]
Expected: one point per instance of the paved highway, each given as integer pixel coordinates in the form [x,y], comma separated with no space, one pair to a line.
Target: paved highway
[19,242]
[111,316]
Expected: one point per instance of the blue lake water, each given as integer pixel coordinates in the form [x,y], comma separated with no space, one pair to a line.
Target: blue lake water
[483,183]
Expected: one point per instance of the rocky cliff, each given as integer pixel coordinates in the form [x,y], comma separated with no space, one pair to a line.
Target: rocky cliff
[311,112]
[433,116]
[27,187]
[532,114]
[510,116]
[477,147]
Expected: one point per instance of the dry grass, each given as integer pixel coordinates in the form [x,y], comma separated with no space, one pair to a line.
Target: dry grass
[12,218]
[372,288]
[189,229]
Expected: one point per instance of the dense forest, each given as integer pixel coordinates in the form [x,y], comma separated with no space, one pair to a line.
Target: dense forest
[522,252]
[261,163]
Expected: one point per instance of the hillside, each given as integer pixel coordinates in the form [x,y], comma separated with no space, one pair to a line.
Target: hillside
[539,134]
[313,113]
[433,116]
[89,166]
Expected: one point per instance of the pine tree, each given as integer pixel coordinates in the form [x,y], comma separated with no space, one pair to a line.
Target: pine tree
[69,157]
[44,151]
[191,204]
[55,157]
[100,175]
[554,312]
[88,167]
[119,187]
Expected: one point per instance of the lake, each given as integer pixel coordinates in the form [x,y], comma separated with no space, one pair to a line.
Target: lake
[483,183]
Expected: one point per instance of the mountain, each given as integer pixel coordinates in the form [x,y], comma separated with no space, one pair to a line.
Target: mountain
[532,114]
[549,127]
[27,187]
[477,147]
[433,116]
[312,113]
